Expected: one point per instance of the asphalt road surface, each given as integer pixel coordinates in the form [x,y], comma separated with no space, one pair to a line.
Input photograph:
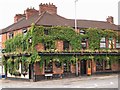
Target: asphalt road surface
[108,81]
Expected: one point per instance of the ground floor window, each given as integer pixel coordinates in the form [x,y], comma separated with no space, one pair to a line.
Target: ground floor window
[99,65]
[24,68]
[48,67]
[58,64]
[107,64]
[66,65]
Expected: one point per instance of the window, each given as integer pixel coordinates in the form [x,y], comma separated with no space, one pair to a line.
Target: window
[24,31]
[45,31]
[47,45]
[66,65]
[48,67]
[58,64]
[65,45]
[99,65]
[117,44]
[11,35]
[0,38]
[111,43]
[82,32]
[107,65]
[103,43]
[84,44]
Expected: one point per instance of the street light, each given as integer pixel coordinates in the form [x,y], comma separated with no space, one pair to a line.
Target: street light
[75,16]
[76,29]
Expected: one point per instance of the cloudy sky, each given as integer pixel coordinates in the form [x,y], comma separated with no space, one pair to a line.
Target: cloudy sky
[86,9]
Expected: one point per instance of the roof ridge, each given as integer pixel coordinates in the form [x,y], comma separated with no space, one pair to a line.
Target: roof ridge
[41,15]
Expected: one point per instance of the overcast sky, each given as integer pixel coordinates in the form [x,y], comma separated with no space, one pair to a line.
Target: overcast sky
[86,9]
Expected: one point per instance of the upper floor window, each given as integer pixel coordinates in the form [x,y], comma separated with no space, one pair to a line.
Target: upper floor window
[11,34]
[82,32]
[65,45]
[24,31]
[111,43]
[117,44]
[84,43]
[46,31]
[0,38]
[103,43]
[47,45]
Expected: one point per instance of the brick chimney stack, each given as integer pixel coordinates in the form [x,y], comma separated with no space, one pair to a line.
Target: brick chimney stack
[18,17]
[52,9]
[110,20]
[30,11]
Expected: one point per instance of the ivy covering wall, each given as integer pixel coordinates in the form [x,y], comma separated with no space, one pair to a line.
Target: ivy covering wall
[20,44]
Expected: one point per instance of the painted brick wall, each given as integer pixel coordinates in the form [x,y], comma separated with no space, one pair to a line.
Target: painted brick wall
[72,68]
[17,32]
[59,45]
[38,70]
[4,38]
[115,66]
[57,70]
[93,66]
[39,47]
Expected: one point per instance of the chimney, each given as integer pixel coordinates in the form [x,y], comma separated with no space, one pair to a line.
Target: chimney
[52,9]
[110,20]
[29,12]
[18,17]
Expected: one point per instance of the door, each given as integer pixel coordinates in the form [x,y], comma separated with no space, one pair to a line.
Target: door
[30,71]
[83,67]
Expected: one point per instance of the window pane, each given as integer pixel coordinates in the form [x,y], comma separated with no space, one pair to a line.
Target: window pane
[48,67]
[99,65]
[66,45]
[102,45]
[45,31]
[84,46]
[82,32]
[102,39]
[107,64]
[117,44]
[11,35]
[24,31]
[0,38]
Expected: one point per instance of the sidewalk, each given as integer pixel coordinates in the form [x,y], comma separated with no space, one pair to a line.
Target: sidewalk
[79,78]
[84,78]
[81,82]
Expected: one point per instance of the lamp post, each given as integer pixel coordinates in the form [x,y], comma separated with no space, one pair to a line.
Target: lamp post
[76,29]
[75,16]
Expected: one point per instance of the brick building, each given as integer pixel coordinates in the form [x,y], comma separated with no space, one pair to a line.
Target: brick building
[47,16]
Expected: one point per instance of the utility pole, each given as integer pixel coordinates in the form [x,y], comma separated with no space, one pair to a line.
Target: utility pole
[76,29]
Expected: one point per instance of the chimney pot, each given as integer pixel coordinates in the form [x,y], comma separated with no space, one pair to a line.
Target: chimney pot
[17,17]
[110,20]
[52,9]
[30,12]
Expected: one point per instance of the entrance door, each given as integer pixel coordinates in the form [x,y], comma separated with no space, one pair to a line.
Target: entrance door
[83,67]
[30,71]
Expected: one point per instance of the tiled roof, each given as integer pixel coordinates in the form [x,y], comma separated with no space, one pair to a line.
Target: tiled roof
[48,19]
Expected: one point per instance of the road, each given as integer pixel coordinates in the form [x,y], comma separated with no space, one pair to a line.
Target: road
[109,81]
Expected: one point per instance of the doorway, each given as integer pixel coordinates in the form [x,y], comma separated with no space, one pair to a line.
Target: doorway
[30,71]
[83,67]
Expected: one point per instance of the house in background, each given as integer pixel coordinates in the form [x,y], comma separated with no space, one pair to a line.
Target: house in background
[47,16]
